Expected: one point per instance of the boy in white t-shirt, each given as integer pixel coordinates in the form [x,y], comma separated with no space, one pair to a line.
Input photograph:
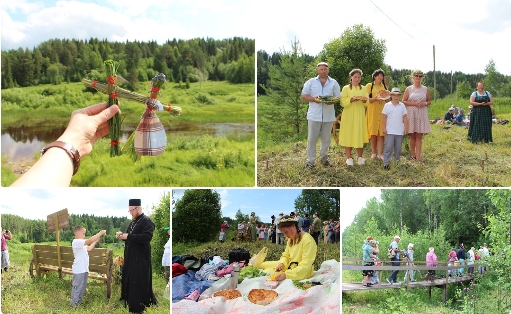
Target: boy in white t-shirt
[81,250]
[394,125]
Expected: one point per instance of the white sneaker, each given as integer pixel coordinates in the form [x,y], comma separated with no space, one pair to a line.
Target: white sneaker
[349,161]
[361,161]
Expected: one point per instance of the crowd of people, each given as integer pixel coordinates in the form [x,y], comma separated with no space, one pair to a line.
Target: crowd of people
[371,115]
[328,231]
[397,256]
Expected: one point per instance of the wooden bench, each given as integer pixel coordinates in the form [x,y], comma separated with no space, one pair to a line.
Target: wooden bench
[45,258]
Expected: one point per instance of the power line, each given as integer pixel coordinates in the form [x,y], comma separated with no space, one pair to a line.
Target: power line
[391,19]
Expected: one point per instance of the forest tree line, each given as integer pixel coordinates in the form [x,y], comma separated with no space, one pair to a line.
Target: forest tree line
[202,210]
[357,47]
[36,230]
[461,214]
[69,60]
[447,83]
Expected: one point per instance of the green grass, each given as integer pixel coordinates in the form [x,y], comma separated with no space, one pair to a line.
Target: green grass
[199,161]
[481,300]
[448,160]
[49,294]
[325,251]
[187,161]
[36,104]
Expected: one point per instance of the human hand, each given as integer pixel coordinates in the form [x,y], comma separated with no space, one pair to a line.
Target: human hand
[280,277]
[102,232]
[118,234]
[88,125]
[279,267]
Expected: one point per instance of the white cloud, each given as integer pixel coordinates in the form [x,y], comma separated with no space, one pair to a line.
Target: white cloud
[466,34]
[39,203]
[127,20]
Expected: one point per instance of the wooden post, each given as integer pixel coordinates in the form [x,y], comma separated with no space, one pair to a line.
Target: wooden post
[58,245]
[445,293]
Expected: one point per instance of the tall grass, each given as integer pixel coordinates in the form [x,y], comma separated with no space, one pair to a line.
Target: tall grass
[187,161]
[49,294]
[449,159]
[31,105]
[325,251]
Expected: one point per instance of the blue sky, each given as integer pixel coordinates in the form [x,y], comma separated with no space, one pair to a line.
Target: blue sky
[466,33]
[26,23]
[39,203]
[267,202]
[264,202]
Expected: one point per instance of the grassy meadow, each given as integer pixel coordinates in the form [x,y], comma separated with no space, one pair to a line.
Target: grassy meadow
[325,251]
[449,159]
[188,161]
[49,294]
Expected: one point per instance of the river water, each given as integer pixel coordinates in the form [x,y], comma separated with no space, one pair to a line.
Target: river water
[26,141]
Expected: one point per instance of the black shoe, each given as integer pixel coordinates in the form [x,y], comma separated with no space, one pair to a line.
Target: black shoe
[309,167]
[386,167]
[327,164]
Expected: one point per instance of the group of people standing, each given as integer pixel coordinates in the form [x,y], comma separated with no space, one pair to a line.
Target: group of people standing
[369,116]
[370,251]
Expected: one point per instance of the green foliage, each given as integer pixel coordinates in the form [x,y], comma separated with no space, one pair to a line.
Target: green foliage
[322,202]
[50,294]
[62,60]
[284,86]
[161,218]
[355,48]
[205,99]
[325,251]
[197,216]
[463,90]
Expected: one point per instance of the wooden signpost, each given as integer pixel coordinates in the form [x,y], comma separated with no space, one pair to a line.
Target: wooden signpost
[57,221]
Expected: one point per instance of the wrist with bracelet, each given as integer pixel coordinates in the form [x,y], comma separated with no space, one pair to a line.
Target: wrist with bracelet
[69,149]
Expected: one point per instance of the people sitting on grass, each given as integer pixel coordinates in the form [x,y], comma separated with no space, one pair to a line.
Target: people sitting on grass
[460,119]
[449,116]
[296,262]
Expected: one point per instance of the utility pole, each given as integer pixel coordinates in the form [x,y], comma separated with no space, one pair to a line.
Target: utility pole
[434,72]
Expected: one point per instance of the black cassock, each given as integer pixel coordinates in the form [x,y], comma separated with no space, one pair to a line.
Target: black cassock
[137,282]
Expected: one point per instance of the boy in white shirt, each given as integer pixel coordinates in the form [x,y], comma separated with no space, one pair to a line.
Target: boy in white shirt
[81,250]
[394,125]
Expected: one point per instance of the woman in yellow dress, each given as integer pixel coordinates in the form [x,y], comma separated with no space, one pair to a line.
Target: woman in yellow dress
[373,115]
[296,262]
[353,132]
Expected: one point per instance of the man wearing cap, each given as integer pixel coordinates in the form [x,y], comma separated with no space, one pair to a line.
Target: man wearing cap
[137,284]
[394,125]
[279,239]
[223,230]
[315,228]
[394,245]
[165,260]
[449,116]
[320,115]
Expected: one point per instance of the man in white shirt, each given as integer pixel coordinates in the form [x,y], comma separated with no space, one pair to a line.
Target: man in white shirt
[320,115]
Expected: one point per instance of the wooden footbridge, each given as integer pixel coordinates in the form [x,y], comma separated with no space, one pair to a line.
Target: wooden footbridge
[356,264]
